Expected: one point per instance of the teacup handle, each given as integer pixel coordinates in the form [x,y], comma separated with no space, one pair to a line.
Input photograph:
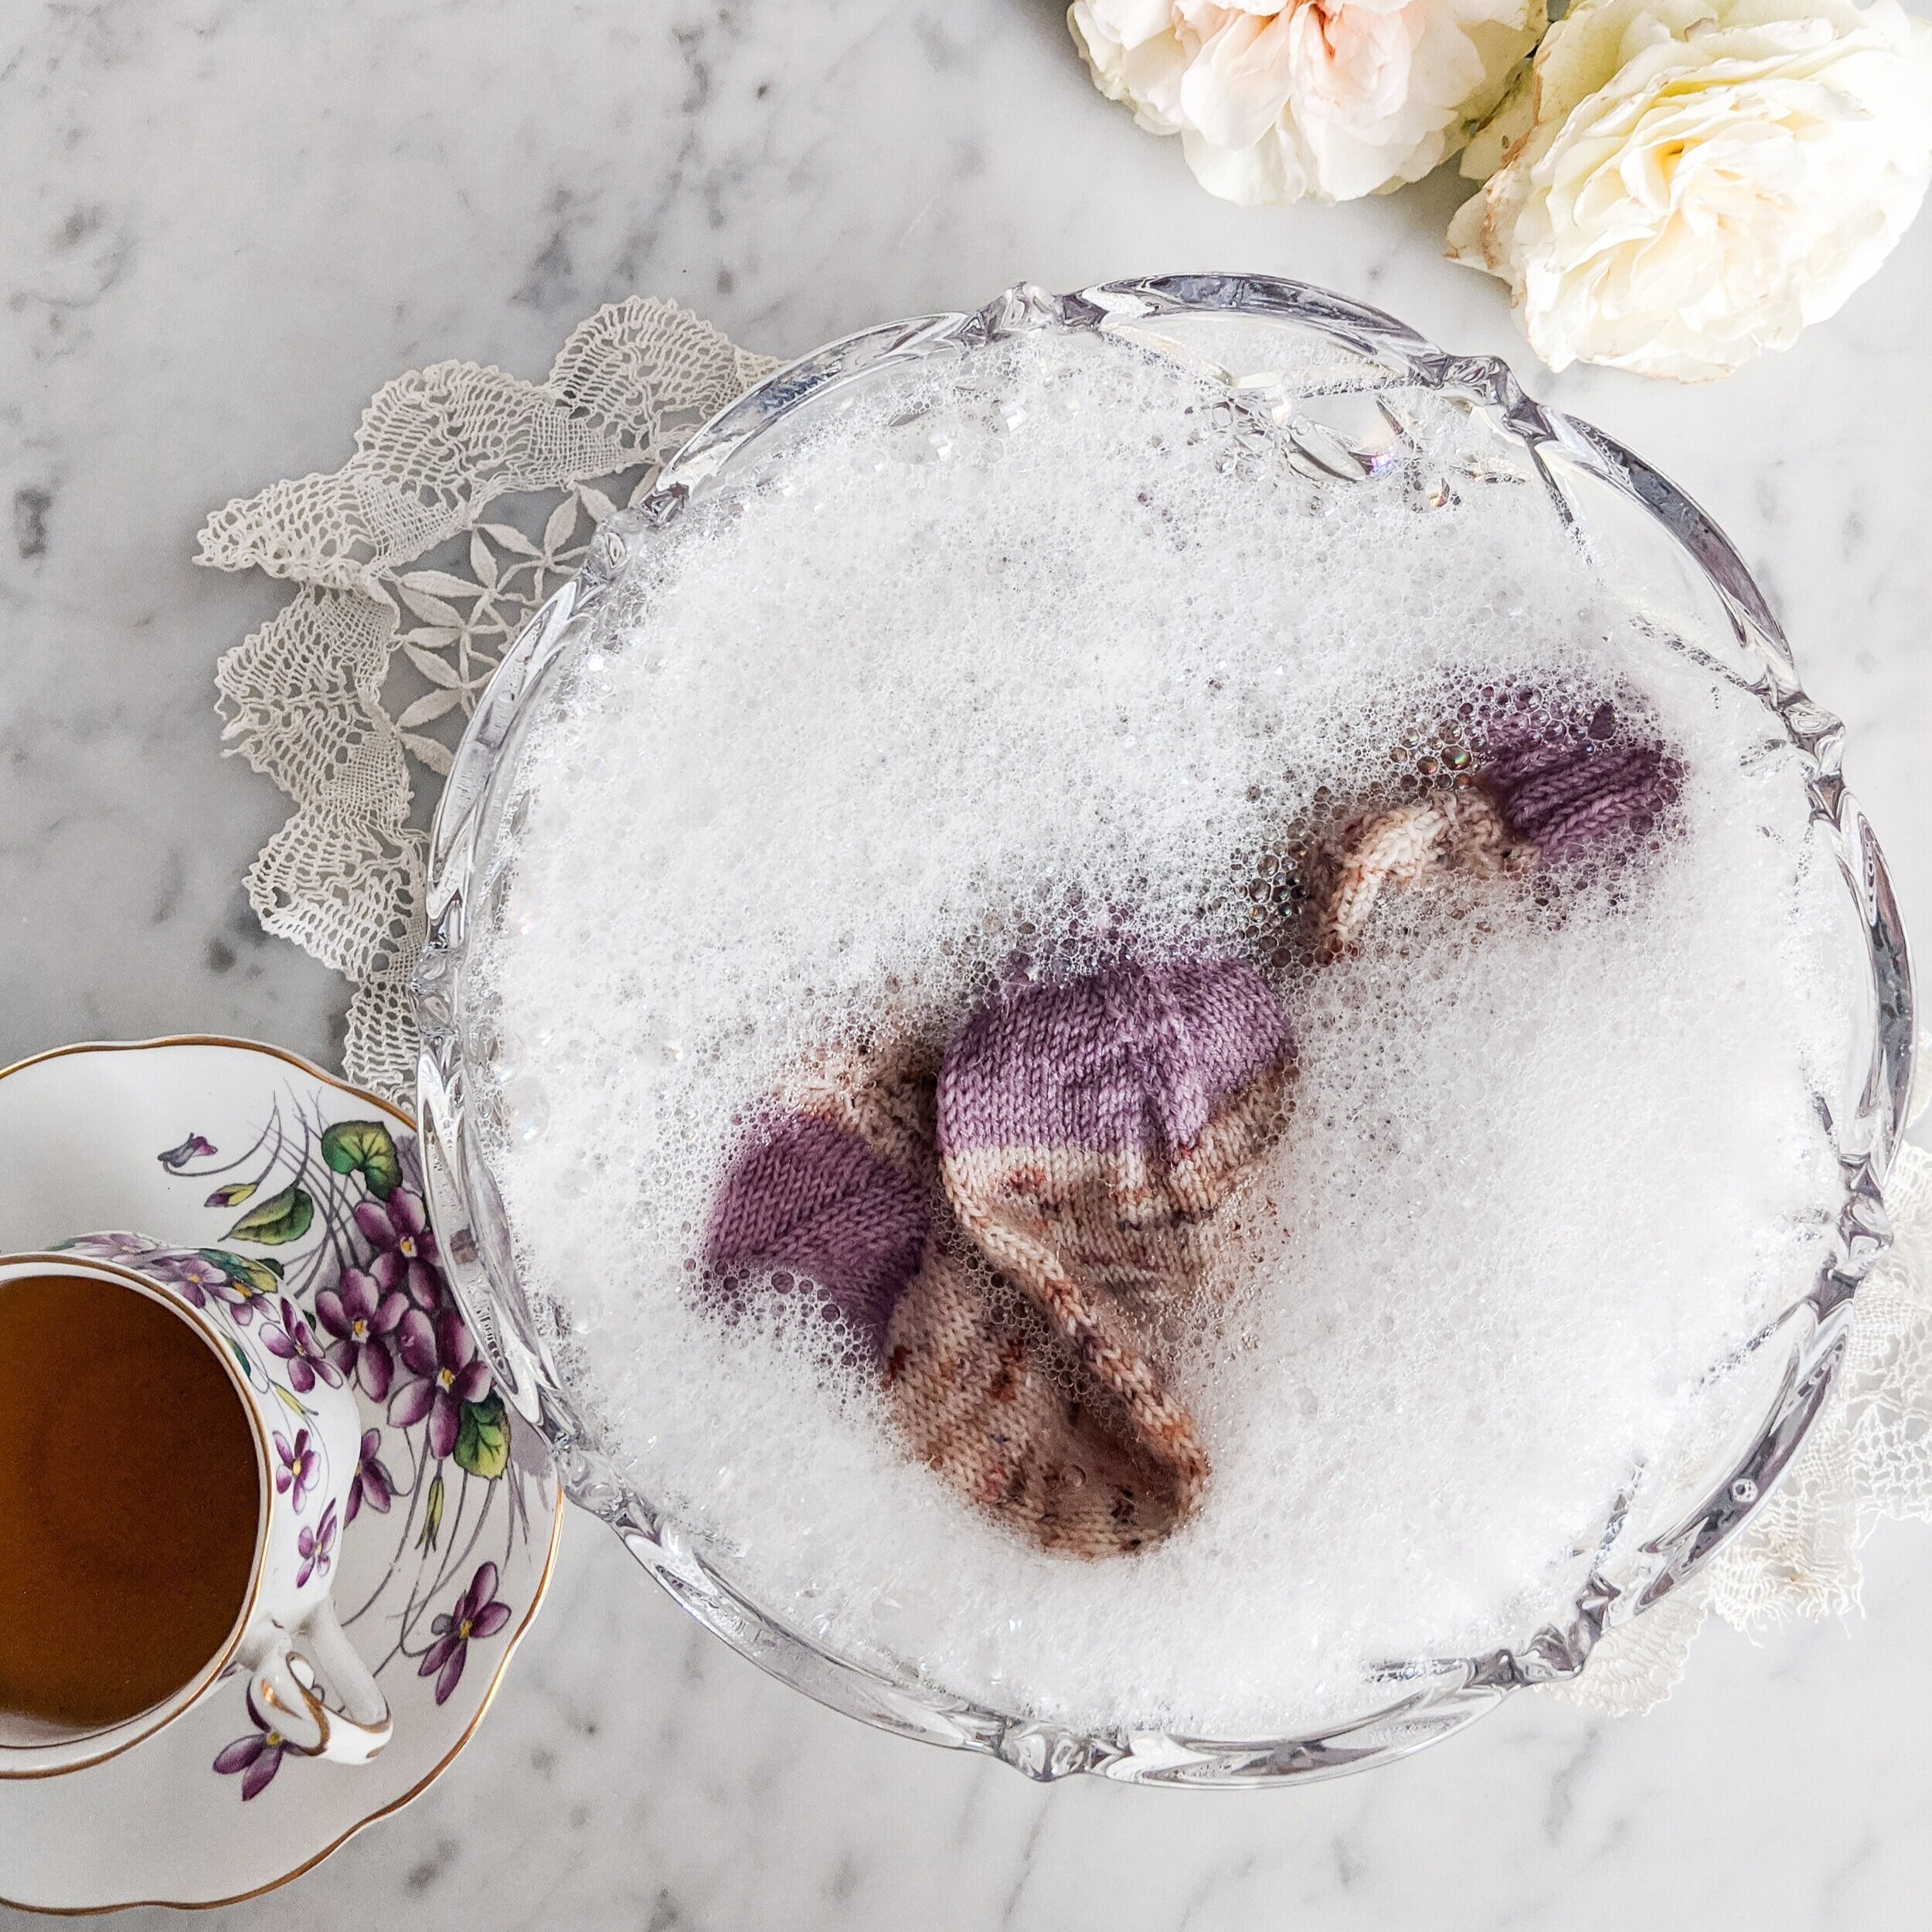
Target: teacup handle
[282,1690]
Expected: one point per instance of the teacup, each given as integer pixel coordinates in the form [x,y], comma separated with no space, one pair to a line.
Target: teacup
[292,1412]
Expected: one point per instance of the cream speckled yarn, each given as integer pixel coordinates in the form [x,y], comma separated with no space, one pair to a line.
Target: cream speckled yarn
[1086,1133]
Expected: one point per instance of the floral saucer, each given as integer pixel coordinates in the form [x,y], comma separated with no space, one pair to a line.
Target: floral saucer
[298,1202]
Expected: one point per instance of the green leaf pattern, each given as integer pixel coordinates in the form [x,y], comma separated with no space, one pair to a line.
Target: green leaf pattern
[483,1437]
[284,1217]
[364,1148]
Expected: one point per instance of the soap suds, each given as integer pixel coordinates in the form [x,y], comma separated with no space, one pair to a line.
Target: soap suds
[1037,664]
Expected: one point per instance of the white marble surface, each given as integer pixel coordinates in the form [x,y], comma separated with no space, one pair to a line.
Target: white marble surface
[226,221]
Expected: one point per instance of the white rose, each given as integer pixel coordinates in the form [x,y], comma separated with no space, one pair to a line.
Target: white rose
[1684,184]
[1332,98]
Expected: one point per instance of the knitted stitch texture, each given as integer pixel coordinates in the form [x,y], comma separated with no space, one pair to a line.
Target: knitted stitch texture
[842,1189]
[1076,1143]
[1090,1131]
[1547,790]
[1087,1132]
[1567,792]
[1460,829]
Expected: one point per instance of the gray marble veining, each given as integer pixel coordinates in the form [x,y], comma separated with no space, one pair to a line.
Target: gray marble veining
[227,221]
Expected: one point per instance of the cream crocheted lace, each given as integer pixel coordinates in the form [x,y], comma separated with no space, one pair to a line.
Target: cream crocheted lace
[1868,1458]
[471,496]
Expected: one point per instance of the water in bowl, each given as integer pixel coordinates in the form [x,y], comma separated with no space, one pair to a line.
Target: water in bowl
[1017,670]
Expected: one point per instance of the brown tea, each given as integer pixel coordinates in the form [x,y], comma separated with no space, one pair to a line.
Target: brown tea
[129,1497]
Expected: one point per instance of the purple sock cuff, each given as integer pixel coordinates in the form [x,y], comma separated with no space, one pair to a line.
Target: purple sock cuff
[1566,795]
[808,1196]
[1131,1057]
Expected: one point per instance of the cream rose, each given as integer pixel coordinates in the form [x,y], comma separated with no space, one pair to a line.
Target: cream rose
[1681,185]
[1331,98]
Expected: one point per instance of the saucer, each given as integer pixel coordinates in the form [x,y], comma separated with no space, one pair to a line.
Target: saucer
[225,1146]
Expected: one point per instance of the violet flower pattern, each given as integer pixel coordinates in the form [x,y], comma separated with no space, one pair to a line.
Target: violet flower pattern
[442,1354]
[242,1296]
[316,1546]
[194,1148]
[371,1483]
[406,1256]
[111,1247]
[258,1756]
[197,1278]
[345,1270]
[299,1466]
[295,1341]
[362,1319]
[476,1614]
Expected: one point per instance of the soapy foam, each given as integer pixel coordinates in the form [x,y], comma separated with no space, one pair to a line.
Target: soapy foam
[1037,664]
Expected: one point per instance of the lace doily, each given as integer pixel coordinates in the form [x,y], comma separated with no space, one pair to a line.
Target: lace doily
[471,496]
[1868,1458]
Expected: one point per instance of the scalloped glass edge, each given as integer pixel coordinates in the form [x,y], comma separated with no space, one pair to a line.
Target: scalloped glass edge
[1427,1700]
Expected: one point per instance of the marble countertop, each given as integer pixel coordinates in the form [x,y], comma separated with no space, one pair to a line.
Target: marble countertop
[226,222]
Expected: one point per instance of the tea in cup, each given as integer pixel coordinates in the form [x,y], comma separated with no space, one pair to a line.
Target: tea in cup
[171,1504]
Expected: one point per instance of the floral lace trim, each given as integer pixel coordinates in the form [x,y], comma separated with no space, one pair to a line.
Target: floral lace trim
[471,497]
[1868,1459]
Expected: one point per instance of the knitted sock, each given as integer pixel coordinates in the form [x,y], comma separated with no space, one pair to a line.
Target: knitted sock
[841,1188]
[1458,829]
[1567,789]
[1087,1132]
[1546,789]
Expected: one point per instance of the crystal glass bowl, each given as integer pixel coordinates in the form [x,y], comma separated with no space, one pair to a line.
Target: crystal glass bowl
[1319,382]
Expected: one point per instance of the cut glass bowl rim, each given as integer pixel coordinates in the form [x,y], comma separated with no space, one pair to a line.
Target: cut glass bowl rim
[1426,1700]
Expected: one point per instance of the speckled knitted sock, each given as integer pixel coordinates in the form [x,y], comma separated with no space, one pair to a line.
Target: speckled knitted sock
[1549,785]
[1062,1433]
[1088,1132]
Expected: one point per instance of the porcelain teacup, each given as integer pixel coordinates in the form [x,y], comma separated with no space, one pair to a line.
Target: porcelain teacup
[305,1426]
